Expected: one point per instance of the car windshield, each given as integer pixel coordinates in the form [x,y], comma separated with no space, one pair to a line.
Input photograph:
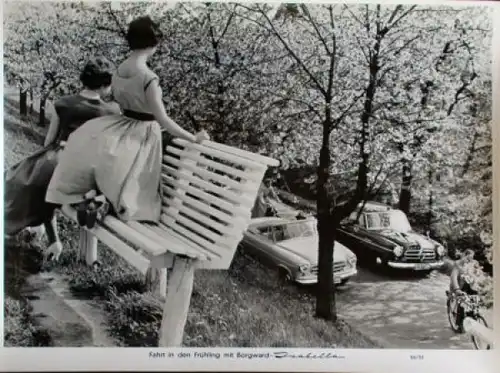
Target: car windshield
[288,231]
[299,229]
[394,219]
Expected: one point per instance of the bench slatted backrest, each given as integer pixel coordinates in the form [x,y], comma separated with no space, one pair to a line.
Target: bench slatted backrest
[209,191]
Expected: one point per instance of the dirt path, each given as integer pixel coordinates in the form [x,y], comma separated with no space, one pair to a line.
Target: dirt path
[406,312]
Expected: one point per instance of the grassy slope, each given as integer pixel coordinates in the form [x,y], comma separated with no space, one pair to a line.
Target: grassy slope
[243,307]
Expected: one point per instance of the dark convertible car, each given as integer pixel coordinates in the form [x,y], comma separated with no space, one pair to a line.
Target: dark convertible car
[379,233]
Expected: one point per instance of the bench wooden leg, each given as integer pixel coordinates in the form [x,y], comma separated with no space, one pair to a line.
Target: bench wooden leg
[88,247]
[175,311]
[156,281]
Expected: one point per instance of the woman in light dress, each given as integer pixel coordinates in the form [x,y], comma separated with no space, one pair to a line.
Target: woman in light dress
[26,182]
[120,155]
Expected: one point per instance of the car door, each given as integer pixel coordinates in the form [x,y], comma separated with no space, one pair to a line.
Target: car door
[350,232]
[368,241]
[258,242]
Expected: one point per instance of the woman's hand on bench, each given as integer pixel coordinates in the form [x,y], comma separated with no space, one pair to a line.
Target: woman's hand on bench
[53,252]
[201,136]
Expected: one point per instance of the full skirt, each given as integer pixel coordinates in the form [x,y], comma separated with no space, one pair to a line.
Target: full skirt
[120,158]
[25,189]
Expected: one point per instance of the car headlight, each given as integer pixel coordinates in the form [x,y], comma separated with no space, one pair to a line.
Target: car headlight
[440,250]
[352,261]
[398,251]
[304,268]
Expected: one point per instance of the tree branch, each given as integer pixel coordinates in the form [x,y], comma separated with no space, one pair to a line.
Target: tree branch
[299,61]
[115,18]
[316,29]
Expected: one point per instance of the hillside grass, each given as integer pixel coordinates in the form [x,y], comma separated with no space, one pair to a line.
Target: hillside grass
[246,306]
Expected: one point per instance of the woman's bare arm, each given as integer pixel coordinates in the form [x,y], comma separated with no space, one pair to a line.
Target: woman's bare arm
[454,278]
[53,128]
[154,97]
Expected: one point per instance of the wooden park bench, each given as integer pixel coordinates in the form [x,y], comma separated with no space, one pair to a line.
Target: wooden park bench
[209,190]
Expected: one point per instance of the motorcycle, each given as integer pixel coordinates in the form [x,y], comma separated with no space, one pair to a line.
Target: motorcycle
[470,305]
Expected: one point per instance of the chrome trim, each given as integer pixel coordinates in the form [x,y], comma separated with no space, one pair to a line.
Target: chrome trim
[433,265]
[313,279]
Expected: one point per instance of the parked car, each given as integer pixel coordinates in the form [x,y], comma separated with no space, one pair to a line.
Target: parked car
[383,234]
[291,246]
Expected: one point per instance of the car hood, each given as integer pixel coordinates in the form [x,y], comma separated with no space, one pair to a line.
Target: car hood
[405,239]
[307,249]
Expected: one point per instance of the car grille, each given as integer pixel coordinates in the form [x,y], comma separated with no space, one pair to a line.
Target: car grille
[337,267]
[413,254]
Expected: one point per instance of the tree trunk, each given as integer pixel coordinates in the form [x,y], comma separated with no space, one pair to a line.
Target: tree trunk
[405,196]
[430,215]
[325,294]
[23,101]
[31,101]
[220,121]
[41,117]
[325,289]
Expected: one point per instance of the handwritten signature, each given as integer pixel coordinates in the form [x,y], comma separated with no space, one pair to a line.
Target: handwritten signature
[309,355]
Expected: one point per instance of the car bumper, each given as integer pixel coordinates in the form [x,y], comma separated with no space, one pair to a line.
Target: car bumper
[416,266]
[337,278]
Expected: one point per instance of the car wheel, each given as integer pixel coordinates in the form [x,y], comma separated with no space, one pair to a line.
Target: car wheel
[343,282]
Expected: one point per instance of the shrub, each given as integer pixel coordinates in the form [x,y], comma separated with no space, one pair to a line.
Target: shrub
[480,282]
[134,318]
[19,330]
[100,281]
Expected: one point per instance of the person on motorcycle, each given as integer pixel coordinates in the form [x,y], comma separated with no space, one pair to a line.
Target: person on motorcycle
[459,283]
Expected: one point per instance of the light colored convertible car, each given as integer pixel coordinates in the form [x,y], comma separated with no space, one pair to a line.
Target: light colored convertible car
[291,246]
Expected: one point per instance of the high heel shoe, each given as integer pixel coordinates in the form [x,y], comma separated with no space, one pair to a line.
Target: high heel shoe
[97,210]
[82,208]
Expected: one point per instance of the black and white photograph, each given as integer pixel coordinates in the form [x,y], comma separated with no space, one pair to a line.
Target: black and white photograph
[248,175]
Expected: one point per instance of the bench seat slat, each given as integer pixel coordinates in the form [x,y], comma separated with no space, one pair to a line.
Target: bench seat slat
[229,196]
[169,235]
[195,227]
[139,240]
[133,257]
[189,236]
[254,160]
[245,162]
[170,244]
[192,213]
[204,196]
[227,169]
[121,248]
[206,174]
[202,207]
[259,158]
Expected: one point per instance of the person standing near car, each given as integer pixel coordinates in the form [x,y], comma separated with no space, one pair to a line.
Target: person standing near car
[263,203]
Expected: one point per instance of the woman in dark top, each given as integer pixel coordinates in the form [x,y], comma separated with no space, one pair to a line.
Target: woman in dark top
[26,183]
